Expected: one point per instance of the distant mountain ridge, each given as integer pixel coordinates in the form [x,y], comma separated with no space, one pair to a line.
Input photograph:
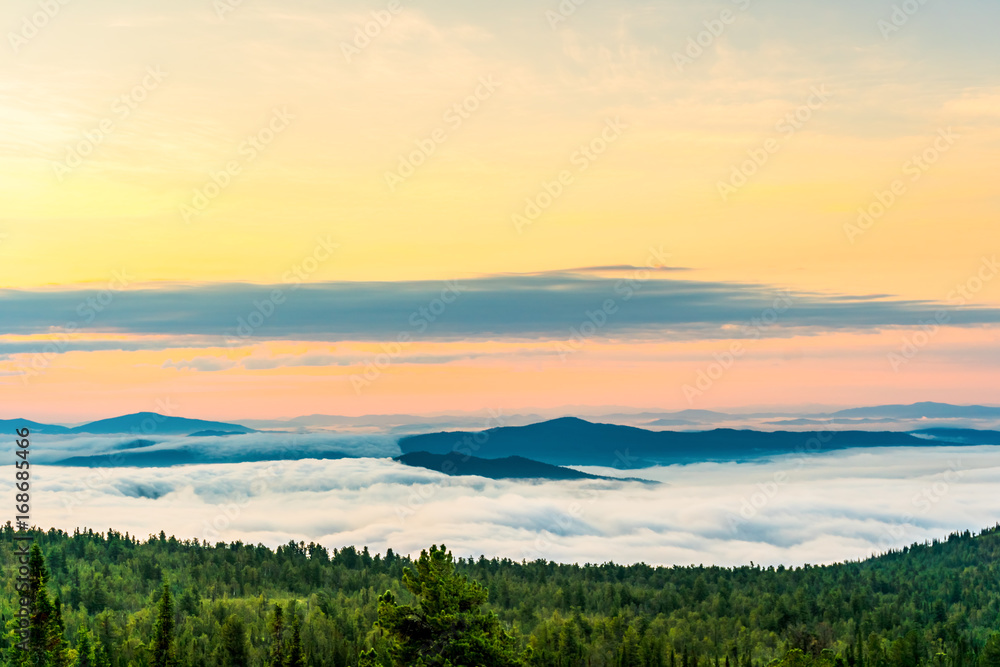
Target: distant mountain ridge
[926,409]
[140,423]
[572,441]
[150,422]
[511,467]
[13,425]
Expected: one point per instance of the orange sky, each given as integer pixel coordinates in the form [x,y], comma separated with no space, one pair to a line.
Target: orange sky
[184,147]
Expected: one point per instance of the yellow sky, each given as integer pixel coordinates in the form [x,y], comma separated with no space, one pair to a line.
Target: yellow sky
[185,147]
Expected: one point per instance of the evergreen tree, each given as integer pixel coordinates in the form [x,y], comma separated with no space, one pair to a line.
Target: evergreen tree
[162,646]
[990,657]
[85,656]
[447,626]
[232,650]
[58,647]
[277,656]
[101,657]
[41,606]
[293,650]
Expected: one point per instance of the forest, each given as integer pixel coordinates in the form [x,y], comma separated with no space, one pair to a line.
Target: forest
[113,600]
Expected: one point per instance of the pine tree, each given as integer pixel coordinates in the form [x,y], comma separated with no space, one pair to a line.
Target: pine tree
[85,656]
[448,625]
[58,647]
[990,657]
[277,656]
[629,654]
[162,646]
[101,657]
[293,650]
[41,617]
[232,649]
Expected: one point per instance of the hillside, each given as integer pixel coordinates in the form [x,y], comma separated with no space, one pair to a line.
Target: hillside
[571,441]
[933,605]
[512,467]
[150,422]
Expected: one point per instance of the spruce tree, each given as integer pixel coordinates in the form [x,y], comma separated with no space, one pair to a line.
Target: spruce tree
[448,626]
[232,650]
[162,646]
[277,656]
[41,606]
[293,652]
[990,657]
[101,657]
[58,647]
[84,649]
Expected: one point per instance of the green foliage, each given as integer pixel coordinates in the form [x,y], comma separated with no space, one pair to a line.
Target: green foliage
[990,657]
[84,649]
[277,654]
[294,656]
[162,647]
[448,625]
[929,605]
[232,649]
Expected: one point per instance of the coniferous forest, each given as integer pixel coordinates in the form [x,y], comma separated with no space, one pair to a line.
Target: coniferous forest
[111,600]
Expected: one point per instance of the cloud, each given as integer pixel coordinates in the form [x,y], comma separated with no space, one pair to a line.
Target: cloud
[538,305]
[202,364]
[262,446]
[789,510]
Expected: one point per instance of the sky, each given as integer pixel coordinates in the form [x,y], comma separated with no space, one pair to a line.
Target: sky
[261,210]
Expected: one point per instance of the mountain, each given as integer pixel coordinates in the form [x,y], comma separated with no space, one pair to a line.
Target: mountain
[927,410]
[839,422]
[571,441]
[512,467]
[12,425]
[961,436]
[672,422]
[388,422]
[150,423]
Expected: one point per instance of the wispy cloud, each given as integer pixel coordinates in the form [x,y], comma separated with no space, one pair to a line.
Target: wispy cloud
[543,304]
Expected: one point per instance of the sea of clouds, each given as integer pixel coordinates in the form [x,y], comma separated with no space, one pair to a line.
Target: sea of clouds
[218,449]
[788,510]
